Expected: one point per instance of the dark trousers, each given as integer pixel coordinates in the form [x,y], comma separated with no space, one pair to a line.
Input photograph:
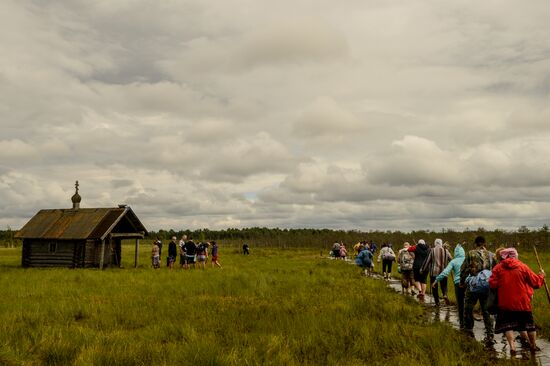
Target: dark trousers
[470,300]
[443,284]
[435,290]
[386,266]
[459,294]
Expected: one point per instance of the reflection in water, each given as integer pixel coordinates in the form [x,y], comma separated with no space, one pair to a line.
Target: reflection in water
[441,314]
[498,348]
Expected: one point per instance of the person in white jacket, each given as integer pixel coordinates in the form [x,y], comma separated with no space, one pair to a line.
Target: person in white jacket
[387,256]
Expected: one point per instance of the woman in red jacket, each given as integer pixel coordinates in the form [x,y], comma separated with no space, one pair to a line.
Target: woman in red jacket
[515,283]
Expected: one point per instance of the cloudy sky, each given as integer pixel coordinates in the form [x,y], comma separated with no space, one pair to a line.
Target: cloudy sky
[363,114]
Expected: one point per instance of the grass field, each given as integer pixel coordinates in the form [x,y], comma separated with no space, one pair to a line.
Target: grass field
[274,307]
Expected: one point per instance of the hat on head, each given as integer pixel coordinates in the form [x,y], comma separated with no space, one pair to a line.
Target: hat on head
[509,253]
[421,241]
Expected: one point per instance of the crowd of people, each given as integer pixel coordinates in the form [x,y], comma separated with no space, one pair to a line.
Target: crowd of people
[479,276]
[339,250]
[191,254]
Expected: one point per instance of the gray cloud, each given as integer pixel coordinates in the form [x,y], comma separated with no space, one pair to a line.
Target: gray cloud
[214,114]
[325,119]
[292,40]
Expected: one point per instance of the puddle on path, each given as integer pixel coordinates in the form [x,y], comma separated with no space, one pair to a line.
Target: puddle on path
[500,348]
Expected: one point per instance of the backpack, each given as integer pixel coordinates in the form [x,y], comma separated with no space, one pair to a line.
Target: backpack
[479,284]
[406,261]
[388,256]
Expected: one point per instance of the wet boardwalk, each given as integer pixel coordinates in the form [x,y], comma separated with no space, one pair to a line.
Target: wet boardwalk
[444,313]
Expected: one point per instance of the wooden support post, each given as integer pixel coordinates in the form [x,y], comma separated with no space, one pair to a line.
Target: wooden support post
[136,255]
[102,254]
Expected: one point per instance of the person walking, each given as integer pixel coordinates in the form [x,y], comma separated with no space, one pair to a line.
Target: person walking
[372,247]
[475,262]
[190,251]
[172,252]
[405,260]
[343,252]
[364,260]
[246,249]
[183,257]
[358,248]
[215,250]
[336,250]
[454,268]
[437,260]
[155,256]
[159,244]
[421,252]
[388,256]
[202,254]
[515,283]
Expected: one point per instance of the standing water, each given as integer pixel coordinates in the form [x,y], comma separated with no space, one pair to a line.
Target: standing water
[499,349]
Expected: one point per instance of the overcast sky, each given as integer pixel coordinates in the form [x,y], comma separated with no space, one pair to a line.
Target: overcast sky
[362,114]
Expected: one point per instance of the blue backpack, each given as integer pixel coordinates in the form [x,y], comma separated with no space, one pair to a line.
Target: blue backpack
[479,284]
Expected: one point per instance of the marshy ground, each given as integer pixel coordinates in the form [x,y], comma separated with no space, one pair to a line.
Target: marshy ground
[280,307]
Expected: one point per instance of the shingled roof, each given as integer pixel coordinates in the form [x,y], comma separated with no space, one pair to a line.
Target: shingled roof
[82,223]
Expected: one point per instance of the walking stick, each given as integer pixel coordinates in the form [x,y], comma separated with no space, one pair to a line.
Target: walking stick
[540,268]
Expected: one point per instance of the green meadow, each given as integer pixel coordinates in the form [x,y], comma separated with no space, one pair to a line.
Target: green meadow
[274,307]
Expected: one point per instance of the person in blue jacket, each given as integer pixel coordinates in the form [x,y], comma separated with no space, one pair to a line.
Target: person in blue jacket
[373,247]
[454,267]
[364,260]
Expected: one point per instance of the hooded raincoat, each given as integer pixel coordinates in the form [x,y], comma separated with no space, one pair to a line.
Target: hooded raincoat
[515,283]
[454,266]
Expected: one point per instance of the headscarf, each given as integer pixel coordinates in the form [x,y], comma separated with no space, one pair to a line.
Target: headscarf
[509,253]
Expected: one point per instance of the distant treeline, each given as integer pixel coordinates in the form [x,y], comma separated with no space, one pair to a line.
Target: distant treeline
[323,238]
[7,240]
